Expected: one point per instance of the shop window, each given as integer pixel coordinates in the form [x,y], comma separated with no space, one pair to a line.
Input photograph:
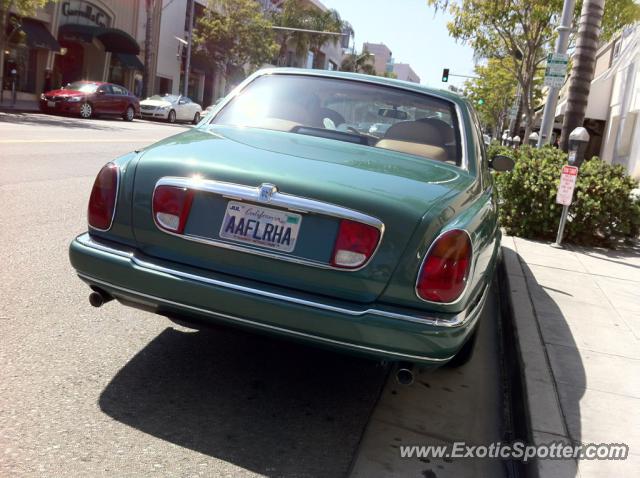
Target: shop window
[116,71]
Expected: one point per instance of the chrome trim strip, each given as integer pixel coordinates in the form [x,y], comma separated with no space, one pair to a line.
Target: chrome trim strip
[293,203]
[457,320]
[472,268]
[115,203]
[262,325]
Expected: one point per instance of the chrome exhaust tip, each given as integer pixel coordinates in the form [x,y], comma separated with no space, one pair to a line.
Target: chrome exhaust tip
[98,298]
[404,373]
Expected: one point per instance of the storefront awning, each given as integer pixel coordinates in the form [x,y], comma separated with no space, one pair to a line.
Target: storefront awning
[113,39]
[131,62]
[38,36]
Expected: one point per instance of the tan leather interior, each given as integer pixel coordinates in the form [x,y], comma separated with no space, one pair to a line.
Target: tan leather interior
[416,137]
[276,124]
[424,150]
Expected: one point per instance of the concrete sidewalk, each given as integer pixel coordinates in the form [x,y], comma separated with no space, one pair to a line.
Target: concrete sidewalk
[577,323]
[19,106]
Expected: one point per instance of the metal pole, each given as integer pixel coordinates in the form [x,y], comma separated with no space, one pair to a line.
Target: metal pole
[187,64]
[562,42]
[563,222]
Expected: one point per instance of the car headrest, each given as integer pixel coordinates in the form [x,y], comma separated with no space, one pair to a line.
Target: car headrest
[415,132]
[444,129]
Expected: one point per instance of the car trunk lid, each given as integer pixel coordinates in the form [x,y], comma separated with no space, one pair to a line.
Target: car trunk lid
[393,188]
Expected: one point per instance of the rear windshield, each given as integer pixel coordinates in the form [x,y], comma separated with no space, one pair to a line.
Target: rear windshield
[346,110]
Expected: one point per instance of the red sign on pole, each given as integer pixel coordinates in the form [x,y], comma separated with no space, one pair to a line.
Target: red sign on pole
[567,185]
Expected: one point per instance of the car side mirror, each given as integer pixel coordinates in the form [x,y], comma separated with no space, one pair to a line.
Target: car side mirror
[100,92]
[502,163]
[181,102]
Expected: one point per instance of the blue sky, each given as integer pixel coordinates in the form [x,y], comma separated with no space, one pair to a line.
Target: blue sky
[412,32]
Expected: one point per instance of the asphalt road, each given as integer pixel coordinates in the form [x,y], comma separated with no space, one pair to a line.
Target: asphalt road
[119,392]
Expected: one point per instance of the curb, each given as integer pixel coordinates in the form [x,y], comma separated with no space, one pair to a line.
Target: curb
[543,418]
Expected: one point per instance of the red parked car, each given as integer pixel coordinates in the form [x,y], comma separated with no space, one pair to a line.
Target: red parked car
[91,98]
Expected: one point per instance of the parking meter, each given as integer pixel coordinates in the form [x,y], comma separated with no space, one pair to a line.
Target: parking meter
[504,139]
[578,142]
[516,141]
[509,141]
[533,139]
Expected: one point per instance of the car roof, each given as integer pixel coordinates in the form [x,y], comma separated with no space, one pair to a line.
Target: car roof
[380,80]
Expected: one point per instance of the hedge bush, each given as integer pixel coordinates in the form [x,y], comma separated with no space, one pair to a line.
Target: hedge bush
[602,212]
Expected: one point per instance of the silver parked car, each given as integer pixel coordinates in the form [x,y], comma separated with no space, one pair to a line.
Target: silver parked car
[171,108]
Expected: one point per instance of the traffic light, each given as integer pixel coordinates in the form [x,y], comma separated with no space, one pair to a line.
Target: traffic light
[445,75]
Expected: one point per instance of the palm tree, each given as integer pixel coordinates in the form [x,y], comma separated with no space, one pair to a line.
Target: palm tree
[328,21]
[292,15]
[584,63]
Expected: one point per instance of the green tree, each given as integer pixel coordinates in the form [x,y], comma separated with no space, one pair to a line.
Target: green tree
[10,26]
[492,92]
[515,29]
[521,30]
[234,33]
[617,15]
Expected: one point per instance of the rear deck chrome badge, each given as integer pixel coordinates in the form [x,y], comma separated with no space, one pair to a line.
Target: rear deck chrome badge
[266,190]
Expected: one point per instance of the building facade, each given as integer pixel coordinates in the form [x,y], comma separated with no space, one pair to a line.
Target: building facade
[383,58]
[72,40]
[614,102]
[404,72]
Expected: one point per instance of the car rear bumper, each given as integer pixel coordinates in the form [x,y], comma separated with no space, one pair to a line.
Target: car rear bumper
[166,288]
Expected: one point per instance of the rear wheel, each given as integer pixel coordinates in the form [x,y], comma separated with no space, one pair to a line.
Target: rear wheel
[129,114]
[172,116]
[196,118]
[86,110]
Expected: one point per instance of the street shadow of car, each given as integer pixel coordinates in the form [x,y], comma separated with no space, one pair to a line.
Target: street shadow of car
[269,406]
[562,353]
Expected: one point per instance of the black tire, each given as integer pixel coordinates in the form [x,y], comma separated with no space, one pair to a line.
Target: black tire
[196,118]
[86,110]
[129,113]
[466,352]
[171,117]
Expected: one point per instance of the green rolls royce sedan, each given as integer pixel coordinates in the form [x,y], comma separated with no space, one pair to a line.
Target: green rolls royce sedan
[285,212]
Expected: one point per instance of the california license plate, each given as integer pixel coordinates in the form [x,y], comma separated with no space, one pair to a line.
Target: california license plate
[51,104]
[261,226]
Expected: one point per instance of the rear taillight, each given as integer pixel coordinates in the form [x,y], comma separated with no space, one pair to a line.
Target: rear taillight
[354,245]
[102,203]
[171,206]
[445,270]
